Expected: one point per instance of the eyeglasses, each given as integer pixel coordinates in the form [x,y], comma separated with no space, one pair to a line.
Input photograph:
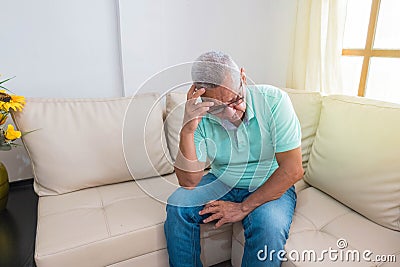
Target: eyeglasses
[213,110]
[219,108]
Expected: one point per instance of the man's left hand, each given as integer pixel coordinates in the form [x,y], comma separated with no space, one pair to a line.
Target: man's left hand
[224,212]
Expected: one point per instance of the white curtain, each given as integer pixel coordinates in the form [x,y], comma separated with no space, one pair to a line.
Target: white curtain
[315,58]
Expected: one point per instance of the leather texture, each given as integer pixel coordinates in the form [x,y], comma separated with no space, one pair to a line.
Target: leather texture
[175,108]
[77,143]
[117,223]
[355,157]
[307,106]
[91,212]
[319,221]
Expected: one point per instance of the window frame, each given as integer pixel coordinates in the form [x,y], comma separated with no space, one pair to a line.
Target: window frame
[368,52]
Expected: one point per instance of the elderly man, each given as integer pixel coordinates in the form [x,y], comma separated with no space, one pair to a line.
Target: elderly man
[251,137]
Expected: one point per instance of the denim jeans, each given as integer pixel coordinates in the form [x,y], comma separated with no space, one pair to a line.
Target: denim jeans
[265,227]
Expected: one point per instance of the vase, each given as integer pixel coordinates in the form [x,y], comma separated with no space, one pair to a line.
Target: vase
[4,186]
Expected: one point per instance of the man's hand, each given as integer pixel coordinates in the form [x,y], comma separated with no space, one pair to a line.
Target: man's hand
[194,111]
[224,212]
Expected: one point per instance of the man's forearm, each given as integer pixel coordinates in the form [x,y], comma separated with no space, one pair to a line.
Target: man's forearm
[188,169]
[276,185]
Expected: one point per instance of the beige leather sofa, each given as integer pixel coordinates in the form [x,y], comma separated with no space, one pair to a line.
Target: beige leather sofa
[92,213]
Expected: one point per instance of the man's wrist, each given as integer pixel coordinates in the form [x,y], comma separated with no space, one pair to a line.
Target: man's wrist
[245,207]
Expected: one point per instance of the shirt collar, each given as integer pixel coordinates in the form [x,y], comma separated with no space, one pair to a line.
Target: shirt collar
[249,106]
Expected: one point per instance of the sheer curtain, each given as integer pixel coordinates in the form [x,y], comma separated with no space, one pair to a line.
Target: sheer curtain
[315,58]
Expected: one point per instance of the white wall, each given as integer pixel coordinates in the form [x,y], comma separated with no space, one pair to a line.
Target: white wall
[58,49]
[72,48]
[162,33]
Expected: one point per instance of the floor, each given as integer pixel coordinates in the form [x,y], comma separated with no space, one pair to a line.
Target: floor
[18,227]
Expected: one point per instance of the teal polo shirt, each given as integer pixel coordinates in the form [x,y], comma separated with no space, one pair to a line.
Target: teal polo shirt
[244,157]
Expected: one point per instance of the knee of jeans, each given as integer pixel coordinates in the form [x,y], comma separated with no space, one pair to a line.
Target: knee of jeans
[183,197]
[180,213]
[178,197]
[276,227]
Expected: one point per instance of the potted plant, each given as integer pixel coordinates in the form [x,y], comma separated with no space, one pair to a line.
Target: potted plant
[8,134]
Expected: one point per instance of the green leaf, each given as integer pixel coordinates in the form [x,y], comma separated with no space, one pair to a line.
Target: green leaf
[7,79]
[5,147]
[25,133]
[7,89]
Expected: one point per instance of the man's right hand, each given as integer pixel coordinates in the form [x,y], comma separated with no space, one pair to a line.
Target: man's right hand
[194,111]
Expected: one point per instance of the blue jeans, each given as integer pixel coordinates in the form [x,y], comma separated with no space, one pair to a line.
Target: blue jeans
[266,226]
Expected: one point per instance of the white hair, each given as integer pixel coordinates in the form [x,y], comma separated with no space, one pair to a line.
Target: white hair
[212,69]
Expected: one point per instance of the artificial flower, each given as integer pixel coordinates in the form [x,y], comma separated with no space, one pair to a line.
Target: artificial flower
[8,101]
[11,134]
[3,118]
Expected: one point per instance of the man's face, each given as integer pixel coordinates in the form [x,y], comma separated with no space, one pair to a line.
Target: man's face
[228,102]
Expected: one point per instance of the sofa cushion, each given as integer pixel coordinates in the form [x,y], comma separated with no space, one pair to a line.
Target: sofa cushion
[307,106]
[355,157]
[175,109]
[318,223]
[78,142]
[116,223]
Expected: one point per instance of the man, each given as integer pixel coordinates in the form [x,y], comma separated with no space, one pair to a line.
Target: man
[252,138]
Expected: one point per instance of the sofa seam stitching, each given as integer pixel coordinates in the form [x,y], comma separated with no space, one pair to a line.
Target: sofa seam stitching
[104,213]
[305,217]
[135,257]
[333,219]
[100,240]
[398,218]
[363,104]
[74,100]
[83,245]
[35,177]
[94,207]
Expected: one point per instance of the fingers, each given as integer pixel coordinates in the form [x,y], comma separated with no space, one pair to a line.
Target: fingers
[209,209]
[195,110]
[202,106]
[212,203]
[190,92]
[239,102]
[193,93]
[213,217]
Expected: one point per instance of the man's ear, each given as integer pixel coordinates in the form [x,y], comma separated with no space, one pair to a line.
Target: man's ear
[243,75]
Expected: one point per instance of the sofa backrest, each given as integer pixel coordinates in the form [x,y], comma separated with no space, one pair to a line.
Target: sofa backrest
[78,143]
[175,108]
[307,106]
[355,157]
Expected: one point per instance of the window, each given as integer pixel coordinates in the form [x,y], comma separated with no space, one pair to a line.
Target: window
[371,49]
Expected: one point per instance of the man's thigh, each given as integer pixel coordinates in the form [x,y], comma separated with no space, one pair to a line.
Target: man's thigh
[208,189]
[272,219]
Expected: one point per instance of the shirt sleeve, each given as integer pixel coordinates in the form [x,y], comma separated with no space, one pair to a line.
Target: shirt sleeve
[285,126]
[200,144]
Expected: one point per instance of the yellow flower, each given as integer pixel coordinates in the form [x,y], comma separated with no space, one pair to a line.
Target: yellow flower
[3,119]
[8,101]
[11,134]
